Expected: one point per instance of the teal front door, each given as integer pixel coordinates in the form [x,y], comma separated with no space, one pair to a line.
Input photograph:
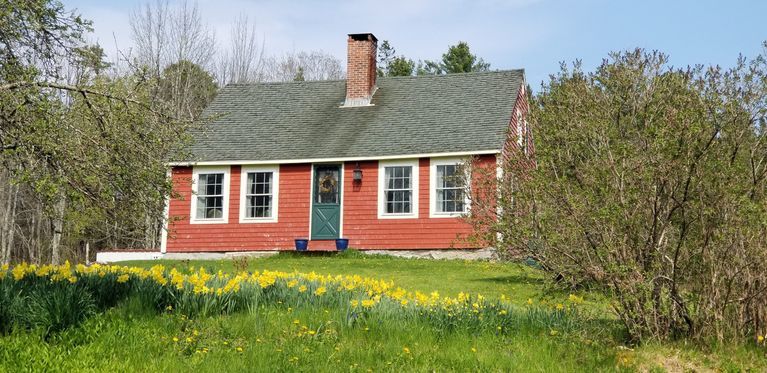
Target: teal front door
[326,202]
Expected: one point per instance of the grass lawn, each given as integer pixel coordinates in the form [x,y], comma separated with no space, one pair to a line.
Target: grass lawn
[277,336]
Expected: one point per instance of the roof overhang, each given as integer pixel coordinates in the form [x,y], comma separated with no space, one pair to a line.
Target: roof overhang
[329,160]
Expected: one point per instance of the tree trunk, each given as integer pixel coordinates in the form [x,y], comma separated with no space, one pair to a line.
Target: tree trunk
[8,222]
[57,226]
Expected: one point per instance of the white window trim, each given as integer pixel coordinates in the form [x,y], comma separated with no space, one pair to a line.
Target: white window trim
[195,176]
[414,184]
[275,170]
[433,213]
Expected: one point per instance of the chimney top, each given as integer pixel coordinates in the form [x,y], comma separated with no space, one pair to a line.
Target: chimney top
[360,69]
[363,36]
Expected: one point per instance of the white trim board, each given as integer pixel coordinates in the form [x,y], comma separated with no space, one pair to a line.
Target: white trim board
[166,216]
[333,160]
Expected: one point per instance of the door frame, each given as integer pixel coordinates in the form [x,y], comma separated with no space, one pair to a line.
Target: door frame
[340,196]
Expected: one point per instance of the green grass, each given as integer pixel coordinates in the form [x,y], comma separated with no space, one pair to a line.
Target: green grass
[125,339]
[276,336]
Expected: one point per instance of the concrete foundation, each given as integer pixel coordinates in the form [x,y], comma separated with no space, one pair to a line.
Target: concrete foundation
[122,256]
[478,254]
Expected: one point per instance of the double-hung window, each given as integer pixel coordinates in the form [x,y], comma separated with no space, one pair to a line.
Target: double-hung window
[398,189]
[258,197]
[447,192]
[209,202]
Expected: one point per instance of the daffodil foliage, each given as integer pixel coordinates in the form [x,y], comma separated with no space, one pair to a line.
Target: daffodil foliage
[198,292]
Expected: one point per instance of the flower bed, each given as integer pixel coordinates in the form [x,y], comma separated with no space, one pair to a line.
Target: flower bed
[53,298]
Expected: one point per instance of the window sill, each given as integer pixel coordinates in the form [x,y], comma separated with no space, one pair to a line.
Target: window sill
[257,220]
[208,221]
[397,216]
[446,214]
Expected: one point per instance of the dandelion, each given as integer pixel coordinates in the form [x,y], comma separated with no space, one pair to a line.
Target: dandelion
[239,349]
[175,339]
[406,350]
[529,301]
[760,338]
[474,350]
[296,321]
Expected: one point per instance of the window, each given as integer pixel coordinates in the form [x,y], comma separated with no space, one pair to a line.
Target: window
[258,194]
[210,188]
[447,195]
[398,189]
[449,189]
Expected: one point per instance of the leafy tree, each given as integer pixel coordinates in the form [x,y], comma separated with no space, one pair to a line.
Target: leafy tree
[401,66]
[651,184]
[389,64]
[83,148]
[458,59]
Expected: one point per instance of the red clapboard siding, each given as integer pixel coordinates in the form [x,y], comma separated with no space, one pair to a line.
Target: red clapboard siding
[360,216]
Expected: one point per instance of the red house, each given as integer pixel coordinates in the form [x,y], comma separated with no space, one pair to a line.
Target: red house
[368,159]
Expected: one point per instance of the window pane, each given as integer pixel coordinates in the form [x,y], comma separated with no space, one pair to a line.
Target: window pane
[200,208]
[326,185]
[214,207]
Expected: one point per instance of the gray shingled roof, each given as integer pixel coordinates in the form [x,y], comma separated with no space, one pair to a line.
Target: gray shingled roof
[411,115]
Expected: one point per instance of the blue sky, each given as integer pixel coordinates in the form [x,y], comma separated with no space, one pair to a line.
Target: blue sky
[531,34]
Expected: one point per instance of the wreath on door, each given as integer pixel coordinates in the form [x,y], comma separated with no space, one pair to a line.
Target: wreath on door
[327,184]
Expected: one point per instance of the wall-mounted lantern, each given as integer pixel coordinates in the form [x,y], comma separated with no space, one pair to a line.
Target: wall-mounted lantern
[357,173]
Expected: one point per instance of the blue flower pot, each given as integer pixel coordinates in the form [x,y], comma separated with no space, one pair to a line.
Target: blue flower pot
[302,244]
[342,244]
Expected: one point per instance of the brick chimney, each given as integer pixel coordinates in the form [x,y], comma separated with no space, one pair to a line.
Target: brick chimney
[360,69]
